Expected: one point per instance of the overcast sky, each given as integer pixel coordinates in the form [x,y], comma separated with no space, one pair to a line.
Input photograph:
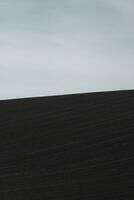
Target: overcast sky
[50,47]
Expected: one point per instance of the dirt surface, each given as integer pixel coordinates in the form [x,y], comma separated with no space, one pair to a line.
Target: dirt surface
[71,147]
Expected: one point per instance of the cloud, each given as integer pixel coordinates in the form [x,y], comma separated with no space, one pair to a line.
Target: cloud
[56,47]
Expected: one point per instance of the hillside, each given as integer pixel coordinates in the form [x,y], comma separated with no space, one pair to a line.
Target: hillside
[70,147]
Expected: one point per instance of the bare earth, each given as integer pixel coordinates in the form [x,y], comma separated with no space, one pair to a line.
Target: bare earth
[71,147]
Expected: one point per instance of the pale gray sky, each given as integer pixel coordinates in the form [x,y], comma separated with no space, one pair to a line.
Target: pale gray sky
[50,47]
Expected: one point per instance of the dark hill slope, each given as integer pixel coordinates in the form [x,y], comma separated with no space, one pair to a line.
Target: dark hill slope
[72,147]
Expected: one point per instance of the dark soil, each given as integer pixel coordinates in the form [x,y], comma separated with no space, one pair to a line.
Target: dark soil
[71,147]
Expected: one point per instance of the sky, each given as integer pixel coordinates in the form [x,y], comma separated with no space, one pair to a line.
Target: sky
[55,47]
